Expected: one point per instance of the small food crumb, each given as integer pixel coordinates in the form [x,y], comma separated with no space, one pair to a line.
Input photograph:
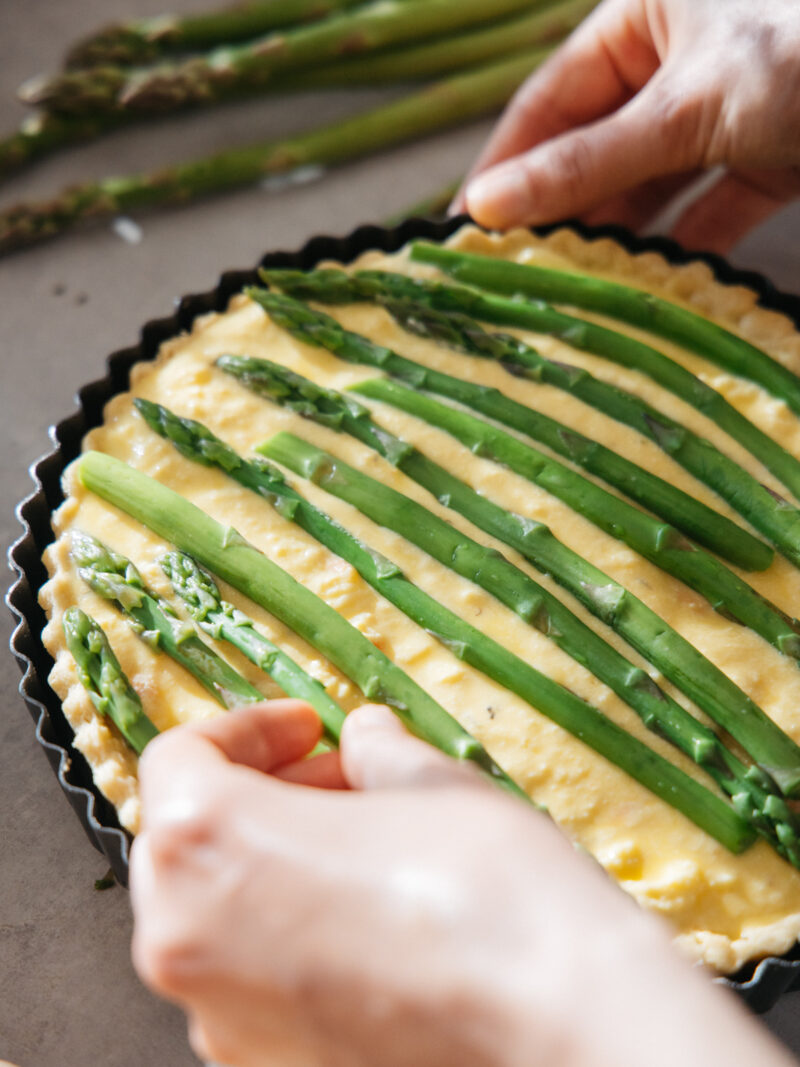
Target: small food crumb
[108,881]
[128,230]
[300,176]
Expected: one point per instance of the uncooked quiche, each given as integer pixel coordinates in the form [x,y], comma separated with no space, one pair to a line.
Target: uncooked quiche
[537,494]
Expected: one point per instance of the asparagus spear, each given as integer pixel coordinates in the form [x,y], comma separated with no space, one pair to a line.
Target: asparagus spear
[216,617]
[224,552]
[144,40]
[662,544]
[622,302]
[697,520]
[234,70]
[442,104]
[432,206]
[42,134]
[105,681]
[769,513]
[649,634]
[115,578]
[510,585]
[469,644]
[534,29]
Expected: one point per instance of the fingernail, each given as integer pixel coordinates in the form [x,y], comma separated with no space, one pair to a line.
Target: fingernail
[377,716]
[500,197]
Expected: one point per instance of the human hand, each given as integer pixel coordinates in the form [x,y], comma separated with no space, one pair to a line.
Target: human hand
[422,918]
[643,97]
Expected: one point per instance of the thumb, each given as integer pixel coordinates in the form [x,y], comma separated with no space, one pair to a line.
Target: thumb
[569,174]
[377,752]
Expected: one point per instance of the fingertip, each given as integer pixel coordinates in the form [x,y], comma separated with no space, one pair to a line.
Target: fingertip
[372,717]
[379,753]
[500,197]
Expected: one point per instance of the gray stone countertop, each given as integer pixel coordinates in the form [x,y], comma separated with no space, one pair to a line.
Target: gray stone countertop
[68,995]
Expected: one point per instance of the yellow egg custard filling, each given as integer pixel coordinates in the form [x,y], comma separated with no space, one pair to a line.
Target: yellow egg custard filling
[725,909]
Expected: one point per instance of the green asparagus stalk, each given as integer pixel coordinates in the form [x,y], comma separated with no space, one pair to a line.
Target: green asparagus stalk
[115,578]
[42,134]
[749,789]
[232,71]
[662,544]
[105,681]
[142,41]
[467,643]
[216,617]
[623,302]
[431,206]
[772,515]
[224,552]
[649,634]
[432,59]
[442,104]
[698,521]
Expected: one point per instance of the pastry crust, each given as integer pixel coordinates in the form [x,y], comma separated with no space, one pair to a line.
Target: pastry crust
[724,909]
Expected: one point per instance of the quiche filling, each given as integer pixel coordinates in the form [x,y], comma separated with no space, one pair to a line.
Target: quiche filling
[725,907]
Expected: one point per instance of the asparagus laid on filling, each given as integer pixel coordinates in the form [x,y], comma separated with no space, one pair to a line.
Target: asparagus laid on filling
[470,645]
[224,552]
[649,634]
[115,578]
[662,544]
[618,301]
[442,104]
[218,619]
[750,790]
[233,70]
[414,305]
[681,510]
[105,681]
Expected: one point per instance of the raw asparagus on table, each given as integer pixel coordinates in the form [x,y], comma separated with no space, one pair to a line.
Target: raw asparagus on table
[770,514]
[649,634]
[662,544]
[432,59]
[105,681]
[232,71]
[144,40]
[115,578]
[42,134]
[437,106]
[466,642]
[218,619]
[696,519]
[224,552]
[617,301]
